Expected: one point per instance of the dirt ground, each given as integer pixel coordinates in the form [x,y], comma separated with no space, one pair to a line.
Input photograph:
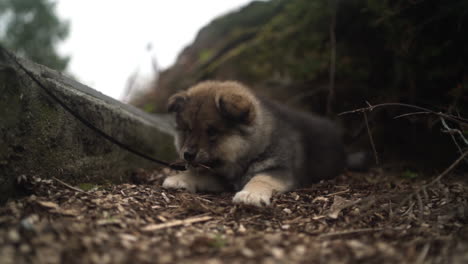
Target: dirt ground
[374,217]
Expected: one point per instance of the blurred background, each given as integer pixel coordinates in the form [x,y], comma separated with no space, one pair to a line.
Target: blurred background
[102,43]
[141,52]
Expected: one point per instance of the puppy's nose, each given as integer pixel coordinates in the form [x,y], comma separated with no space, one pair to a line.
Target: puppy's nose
[189,155]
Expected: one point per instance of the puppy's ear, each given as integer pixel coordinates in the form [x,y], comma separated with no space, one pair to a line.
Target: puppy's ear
[235,107]
[176,103]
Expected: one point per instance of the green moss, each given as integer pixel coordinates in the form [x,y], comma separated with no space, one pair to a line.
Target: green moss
[218,242]
[149,107]
[408,174]
[88,186]
[205,55]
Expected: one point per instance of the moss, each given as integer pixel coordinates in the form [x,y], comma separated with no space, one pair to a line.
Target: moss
[205,55]
[408,174]
[149,107]
[218,242]
[88,186]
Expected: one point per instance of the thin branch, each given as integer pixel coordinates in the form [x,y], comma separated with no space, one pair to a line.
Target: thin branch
[453,131]
[372,107]
[371,139]
[436,179]
[450,168]
[331,89]
[69,186]
[421,206]
[424,191]
[188,221]
[410,114]
[336,193]
[409,211]
[422,256]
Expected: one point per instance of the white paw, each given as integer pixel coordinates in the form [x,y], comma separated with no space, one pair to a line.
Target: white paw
[252,198]
[179,181]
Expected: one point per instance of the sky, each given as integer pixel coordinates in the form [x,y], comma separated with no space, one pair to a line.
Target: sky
[108,38]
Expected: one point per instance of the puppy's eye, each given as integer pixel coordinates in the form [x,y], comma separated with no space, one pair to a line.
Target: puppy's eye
[212,132]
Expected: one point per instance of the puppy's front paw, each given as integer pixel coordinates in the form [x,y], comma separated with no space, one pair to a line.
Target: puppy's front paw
[179,181]
[252,198]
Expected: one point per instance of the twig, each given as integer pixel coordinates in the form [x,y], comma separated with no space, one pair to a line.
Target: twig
[421,206]
[331,91]
[188,221]
[371,139]
[446,171]
[423,254]
[370,201]
[204,166]
[424,191]
[372,107]
[451,132]
[410,207]
[336,193]
[410,114]
[390,209]
[436,179]
[69,186]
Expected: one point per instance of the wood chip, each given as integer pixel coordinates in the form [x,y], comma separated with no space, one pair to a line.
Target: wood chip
[173,223]
[47,204]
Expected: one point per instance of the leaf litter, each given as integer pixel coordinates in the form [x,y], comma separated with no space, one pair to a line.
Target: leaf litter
[355,218]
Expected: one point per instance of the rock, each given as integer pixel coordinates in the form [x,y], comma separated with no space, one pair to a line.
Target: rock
[37,136]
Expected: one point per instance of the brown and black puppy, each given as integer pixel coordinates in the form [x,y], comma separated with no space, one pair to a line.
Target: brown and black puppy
[233,139]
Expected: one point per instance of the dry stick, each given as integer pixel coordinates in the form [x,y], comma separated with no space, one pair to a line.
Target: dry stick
[390,209]
[173,223]
[422,189]
[372,107]
[423,110]
[331,92]
[446,171]
[423,254]
[410,114]
[409,211]
[371,139]
[69,186]
[204,166]
[336,193]
[370,201]
[440,176]
[451,132]
[421,206]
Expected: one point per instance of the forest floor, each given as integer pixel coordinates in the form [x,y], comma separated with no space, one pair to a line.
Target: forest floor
[374,217]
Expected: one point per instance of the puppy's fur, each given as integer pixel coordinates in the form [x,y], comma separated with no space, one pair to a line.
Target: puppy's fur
[232,139]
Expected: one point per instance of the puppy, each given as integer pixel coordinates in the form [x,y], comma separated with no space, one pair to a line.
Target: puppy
[232,139]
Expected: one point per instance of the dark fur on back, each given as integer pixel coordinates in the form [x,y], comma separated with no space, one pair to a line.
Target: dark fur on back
[316,141]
